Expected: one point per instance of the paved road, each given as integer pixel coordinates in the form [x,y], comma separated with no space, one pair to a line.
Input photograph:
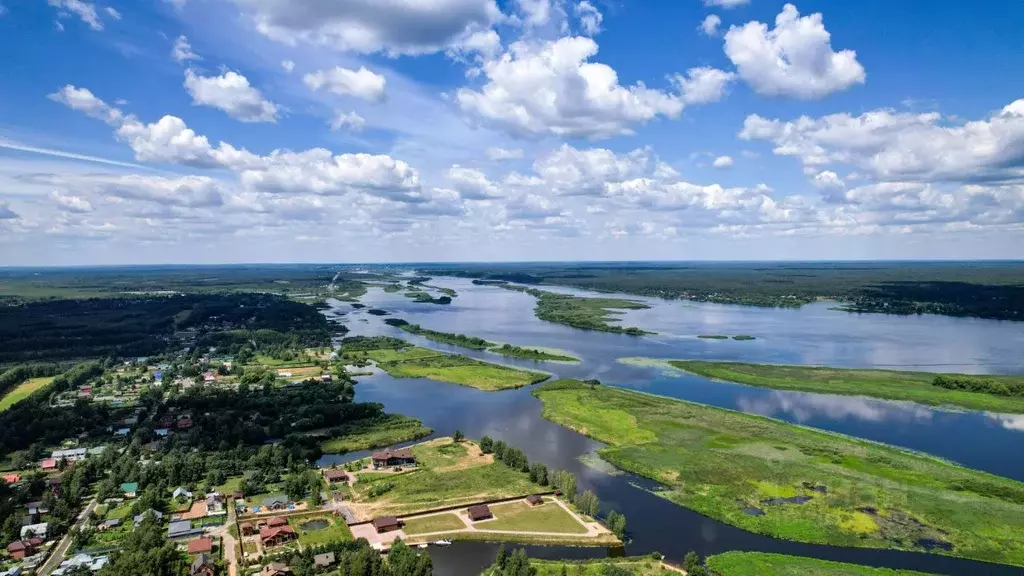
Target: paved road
[228,541]
[57,556]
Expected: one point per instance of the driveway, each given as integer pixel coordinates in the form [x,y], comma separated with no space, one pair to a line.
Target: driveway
[57,556]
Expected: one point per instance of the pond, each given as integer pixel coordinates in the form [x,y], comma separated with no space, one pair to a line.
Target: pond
[811,335]
[314,525]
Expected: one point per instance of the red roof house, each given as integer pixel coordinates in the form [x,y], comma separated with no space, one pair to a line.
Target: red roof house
[48,465]
[200,545]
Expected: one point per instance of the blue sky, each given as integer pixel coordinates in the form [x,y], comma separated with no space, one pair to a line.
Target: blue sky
[368,130]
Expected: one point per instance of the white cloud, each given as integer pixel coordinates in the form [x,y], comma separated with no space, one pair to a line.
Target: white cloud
[84,101]
[113,13]
[891,145]
[232,93]
[288,65]
[827,179]
[722,162]
[472,184]
[504,153]
[84,10]
[348,121]
[727,4]
[793,59]
[590,18]
[703,85]
[570,171]
[182,51]
[535,12]
[551,88]
[366,26]
[71,203]
[360,83]
[710,25]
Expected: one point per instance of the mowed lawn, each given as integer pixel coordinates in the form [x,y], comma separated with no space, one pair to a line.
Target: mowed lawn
[725,464]
[888,384]
[436,523]
[310,534]
[520,516]
[763,564]
[24,390]
[415,362]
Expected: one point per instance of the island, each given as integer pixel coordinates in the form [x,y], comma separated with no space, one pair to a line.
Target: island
[474,343]
[761,564]
[579,312]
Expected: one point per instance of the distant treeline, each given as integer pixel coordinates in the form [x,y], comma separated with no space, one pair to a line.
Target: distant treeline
[979,384]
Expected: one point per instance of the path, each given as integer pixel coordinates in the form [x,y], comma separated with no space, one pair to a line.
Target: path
[57,556]
[228,541]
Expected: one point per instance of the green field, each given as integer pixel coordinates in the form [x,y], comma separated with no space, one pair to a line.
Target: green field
[728,465]
[24,390]
[888,384]
[583,313]
[336,531]
[764,564]
[414,362]
[637,566]
[461,479]
[436,523]
[533,353]
[386,431]
[547,517]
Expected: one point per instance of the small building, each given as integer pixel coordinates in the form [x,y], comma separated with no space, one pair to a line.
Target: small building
[324,560]
[181,492]
[534,500]
[200,545]
[389,458]
[122,432]
[184,424]
[35,508]
[276,521]
[138,518]
[94,564]
[277,536]
[276,503]
[335,476]
[72,455]
[215,504]
[247,529]
[20,549]
[478,513]
[34,530]
[110,523]
[386,524]
[48,465]
[203,565]
[180,529]
[16,571]
[130,489]
[12,478]
[276,569]
[162,432]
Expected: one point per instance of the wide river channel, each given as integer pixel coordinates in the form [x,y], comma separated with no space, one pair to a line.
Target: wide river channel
[814,334]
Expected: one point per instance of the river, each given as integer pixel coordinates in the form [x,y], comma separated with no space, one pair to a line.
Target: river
[813,334]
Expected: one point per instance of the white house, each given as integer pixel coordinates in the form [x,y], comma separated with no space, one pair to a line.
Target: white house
[34,530]
[179,491]
[72,455]
[94,564]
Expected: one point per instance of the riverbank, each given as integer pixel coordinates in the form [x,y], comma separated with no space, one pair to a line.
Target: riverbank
[386,431]
[763,564]
[474,343]
[583,313]
[917,387]
[795,483]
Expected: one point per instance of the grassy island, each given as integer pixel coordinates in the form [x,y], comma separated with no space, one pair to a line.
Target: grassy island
[633,566]
[462,340]
[524,353]
[994,393]
[401,360]
[583,313]
[765,564]
[796,483]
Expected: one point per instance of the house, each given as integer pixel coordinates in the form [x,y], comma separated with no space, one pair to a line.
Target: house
[16,571]
[12,478]
[35,508]
[209,376]
[72,455]
[184,424]
[203,565]
[534,500]
[180,529]
[247,529]
[276,521]
[20,549]
[122,432]
[200,545]
[138,518]
[335,476]
[130,489]
[277,536]
[324,560]
[94,564]
[478,513]
[85,391]
[386,524]
[276,503]
[162,432]
[181,492]
[110,523]
[215,504]
[34,530]
[388,458]
[276,569]
[48,465]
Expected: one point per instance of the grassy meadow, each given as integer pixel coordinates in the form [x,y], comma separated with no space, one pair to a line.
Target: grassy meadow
[436,523]
[732,466]
[24,390]
[364,435]
[636,566]
[547,517]
[764,564]
[533,353]
[888,384]
[415,362]
[336,530]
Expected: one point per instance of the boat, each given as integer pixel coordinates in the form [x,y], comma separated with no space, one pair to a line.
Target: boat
[443,543]
[424,545]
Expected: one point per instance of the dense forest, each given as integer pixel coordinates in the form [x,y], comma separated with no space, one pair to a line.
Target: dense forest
[980,289]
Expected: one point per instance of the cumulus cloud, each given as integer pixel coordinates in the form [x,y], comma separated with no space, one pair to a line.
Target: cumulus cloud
[84,101]
[710,25]
[722,162]
[472,184]
[703,85]
[827,179]
[360,83]
[182,51]
[232,93]
[590,18]
[793,59]
[288,65]
[86,11]
[572,172]
[368,26]
[347,121]
[71,203]
[539,88]
[504,153]
[891,145]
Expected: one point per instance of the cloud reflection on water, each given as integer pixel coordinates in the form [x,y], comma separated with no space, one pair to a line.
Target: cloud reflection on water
[805,407]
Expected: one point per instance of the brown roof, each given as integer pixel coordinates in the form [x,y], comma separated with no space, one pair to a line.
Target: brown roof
[534,499]
[267,533]
[385,522]
[35,541]
[335,475]
[388,454]
[15,546]
[480,512]
[200,545]
[276,521]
